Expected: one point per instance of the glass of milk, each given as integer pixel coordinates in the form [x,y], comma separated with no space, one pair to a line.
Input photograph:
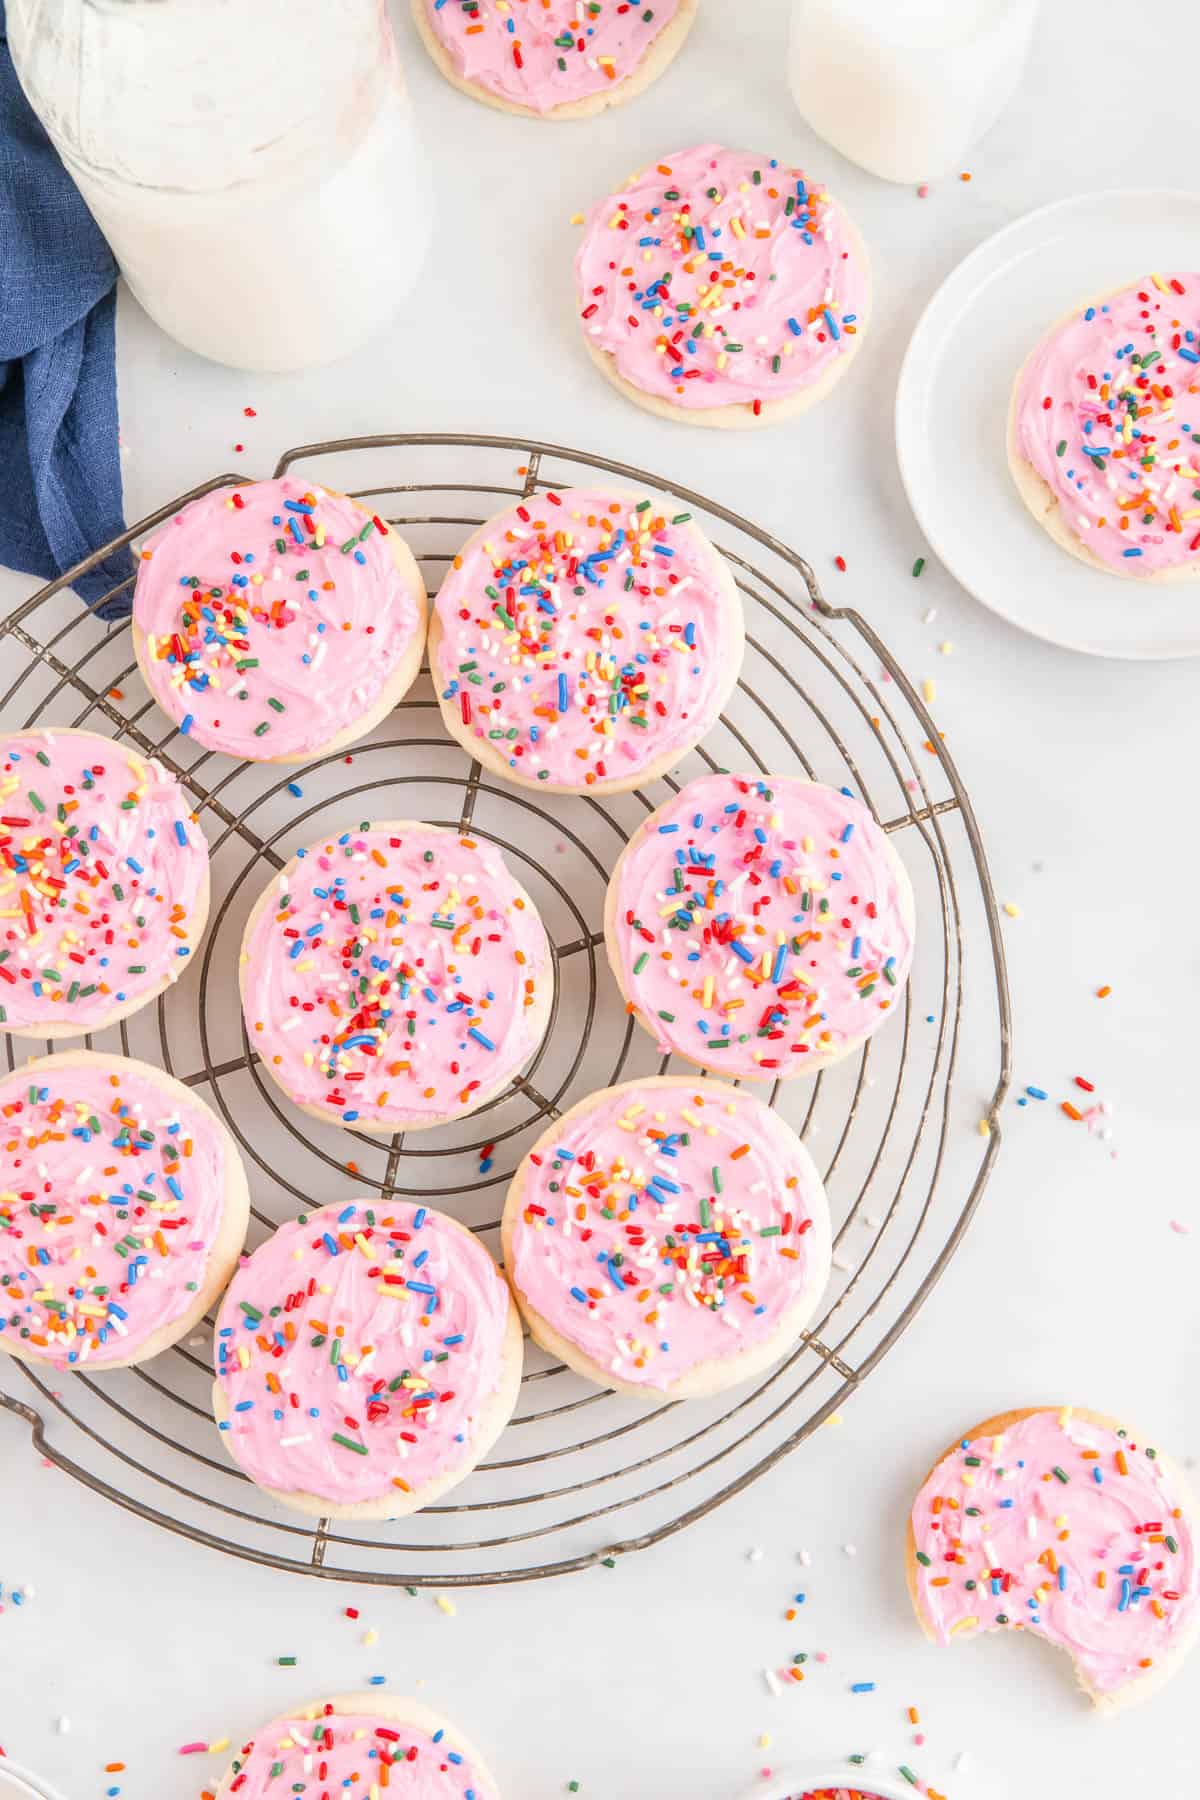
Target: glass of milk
[905,87]
[253,165]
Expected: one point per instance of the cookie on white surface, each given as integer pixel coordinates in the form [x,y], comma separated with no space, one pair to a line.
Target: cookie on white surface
[552,59]
[760,927]
[668,1238]
[585,641]
[124,1207]
[1101,430]
[367,1356]
[277,621]
[722,288]
[1060,1522]
[395,977]
[104,883]
[351,1744]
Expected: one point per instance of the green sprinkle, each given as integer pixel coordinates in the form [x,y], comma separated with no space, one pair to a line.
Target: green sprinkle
[349,1444]
[1061,1475]
[918,566]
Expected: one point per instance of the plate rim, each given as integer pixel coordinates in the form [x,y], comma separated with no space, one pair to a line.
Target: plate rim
[904,413]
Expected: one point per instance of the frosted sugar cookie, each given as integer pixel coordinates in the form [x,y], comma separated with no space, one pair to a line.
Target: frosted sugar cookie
[585,641]
[553,59]
[277,621]
[1059,1522]
[123,1208]
[760,927]
[395,977]
[103,882]
[367,1356]
[721,287]
[668,1237]
[1103,428]
[365,1744]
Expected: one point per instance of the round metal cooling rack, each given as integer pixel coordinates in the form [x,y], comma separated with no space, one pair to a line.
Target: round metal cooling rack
[581,1475]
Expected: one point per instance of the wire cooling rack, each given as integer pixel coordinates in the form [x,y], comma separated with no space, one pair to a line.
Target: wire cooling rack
[581,1474]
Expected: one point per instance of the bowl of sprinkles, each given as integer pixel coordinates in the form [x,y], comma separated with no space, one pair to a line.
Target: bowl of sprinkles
[844,1780]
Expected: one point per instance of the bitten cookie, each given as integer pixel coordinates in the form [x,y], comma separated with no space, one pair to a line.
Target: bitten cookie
[668,1238]
[1057,1521]
[584,642]
[277,621]
[1102,430]
[367,1357]
[721,288]
[103,882]
[123,1209]
[552,59]
[395,977]
[763,928]
[364,1744]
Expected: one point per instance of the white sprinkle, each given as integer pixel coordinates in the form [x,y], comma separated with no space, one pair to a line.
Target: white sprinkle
[772,1682]
[806,1558]
[850,1549]
[755,1555]
[62,1726]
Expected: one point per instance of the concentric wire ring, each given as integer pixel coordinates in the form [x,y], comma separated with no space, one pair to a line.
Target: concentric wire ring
[580,1475]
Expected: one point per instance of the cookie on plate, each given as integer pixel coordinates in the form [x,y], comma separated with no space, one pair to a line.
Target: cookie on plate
[760,927]
[722,288]
[351,1744]
[1100,430]
[278,621]
[395,977]
[1060,1522]
[585,641]
[668,1238]
[104,882]
[123,1208]
[367,1356]
[552,59]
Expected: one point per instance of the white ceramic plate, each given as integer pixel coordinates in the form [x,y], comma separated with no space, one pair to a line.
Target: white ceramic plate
[952,410]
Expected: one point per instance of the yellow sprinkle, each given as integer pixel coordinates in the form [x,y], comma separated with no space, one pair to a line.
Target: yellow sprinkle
[964,1625]
[1014,912]
[946,648]
[929,690]
[985,1129]
[447,1605]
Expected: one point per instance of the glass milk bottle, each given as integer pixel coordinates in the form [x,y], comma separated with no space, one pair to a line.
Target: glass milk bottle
[252,163]
[905,87]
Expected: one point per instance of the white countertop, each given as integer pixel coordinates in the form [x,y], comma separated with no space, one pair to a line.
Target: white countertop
[1071,1284]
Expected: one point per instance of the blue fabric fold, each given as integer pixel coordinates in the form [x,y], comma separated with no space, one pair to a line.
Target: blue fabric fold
[60,471]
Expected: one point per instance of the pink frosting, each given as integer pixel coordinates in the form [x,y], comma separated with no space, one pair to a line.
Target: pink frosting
[396,977]
[665,1227]
[357,1349]
[1064,1528]
[101,868]
[352,1753]
[718,278]
[547,53]
[760,924]
[274,616]
[587,636]
[1108,414]
[112,1193]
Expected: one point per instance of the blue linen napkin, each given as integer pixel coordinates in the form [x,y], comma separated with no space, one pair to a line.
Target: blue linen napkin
[60,473]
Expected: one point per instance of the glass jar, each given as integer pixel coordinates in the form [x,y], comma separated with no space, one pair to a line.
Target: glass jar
[254,167]
[904,88]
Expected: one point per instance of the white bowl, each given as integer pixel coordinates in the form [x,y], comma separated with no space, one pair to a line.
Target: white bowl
[19,1784]
[834,1775]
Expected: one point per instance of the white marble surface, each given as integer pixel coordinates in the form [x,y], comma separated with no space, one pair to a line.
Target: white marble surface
[1071,1285]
